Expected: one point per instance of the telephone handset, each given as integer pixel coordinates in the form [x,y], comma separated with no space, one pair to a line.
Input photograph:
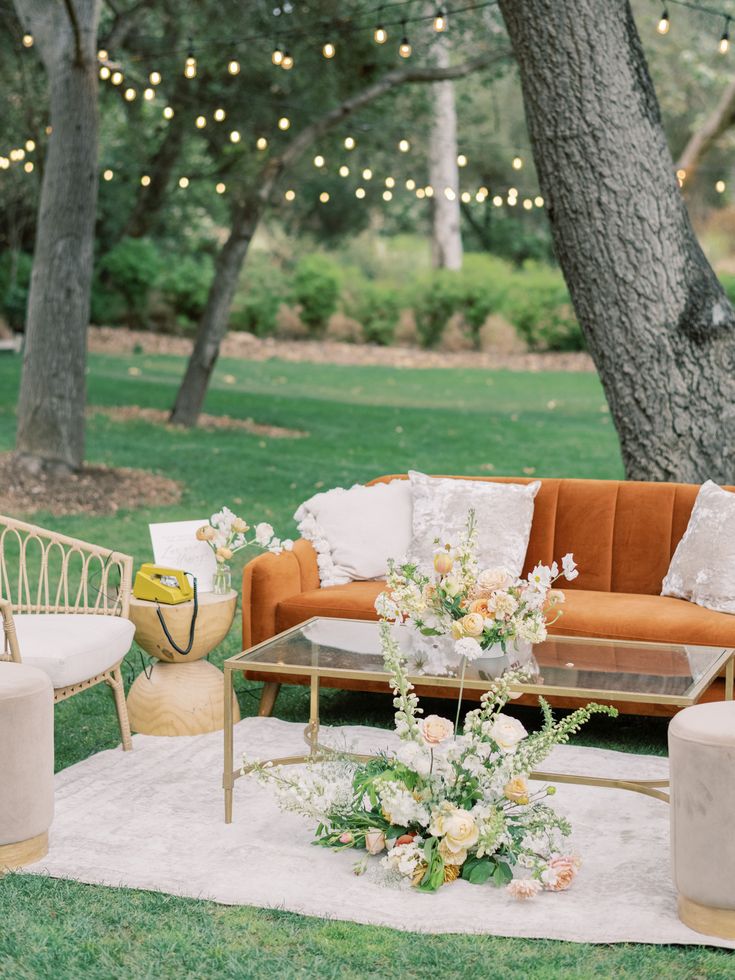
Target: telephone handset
[171,586]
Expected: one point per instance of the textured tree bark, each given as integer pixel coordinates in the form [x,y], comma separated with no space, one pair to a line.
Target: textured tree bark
[52,393]
[446,238]
[657,322]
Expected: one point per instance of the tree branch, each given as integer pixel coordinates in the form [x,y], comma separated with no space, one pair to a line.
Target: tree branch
[124,22]
[78,54]
[393,79]
[720,120]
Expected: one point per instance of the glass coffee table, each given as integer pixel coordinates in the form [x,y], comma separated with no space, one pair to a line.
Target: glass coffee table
[562,666]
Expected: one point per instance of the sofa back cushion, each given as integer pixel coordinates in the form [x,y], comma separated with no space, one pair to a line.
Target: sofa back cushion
[621,533]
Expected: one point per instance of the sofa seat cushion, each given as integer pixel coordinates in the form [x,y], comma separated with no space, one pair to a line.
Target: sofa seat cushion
[612,615]
[72,647]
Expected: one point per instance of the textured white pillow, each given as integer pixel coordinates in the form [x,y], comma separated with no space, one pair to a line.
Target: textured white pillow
[503,511]
[356,531]
[702,568]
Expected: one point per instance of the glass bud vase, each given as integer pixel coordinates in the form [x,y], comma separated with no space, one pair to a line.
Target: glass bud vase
[222,579]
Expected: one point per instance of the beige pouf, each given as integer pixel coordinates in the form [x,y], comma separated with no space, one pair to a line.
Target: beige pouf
[702,760]
[26,764]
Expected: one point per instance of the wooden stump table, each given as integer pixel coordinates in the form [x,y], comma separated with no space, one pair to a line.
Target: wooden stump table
[183,694]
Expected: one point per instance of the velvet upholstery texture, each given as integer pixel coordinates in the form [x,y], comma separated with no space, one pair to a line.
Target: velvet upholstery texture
[622,535]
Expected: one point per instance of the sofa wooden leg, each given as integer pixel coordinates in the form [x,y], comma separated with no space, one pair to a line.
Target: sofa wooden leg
[268,698]
[118,689]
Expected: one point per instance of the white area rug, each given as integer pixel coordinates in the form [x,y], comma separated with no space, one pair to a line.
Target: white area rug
[153,819]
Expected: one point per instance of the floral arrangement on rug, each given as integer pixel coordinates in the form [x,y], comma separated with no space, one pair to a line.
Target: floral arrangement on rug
[226,534]
[445,804]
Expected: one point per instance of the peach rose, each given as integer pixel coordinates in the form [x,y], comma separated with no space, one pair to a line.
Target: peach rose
[479,606]
[473,624]
[374,841]
[523,888]
[239,526]
[493,578]
[205,533]
[443,562]
[560,872]
[436,729]
[507,732]
[517,790]
[223,554]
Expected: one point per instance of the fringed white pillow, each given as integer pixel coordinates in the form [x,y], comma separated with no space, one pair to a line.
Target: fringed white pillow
[702,568]
[356,531]
[503,511]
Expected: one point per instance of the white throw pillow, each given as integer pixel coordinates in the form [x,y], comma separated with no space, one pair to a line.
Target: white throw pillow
[702,568]
[356,531]
[503,511]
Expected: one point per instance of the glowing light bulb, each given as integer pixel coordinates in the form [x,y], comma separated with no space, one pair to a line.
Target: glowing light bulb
[201,122]
[349,143]
[512,201]
[27,40]
[149,94]
[440,21]
[30,145]
[102,54]
[324,197]
[4,163]
[233,67]
[329,50]
[108,175]
[168,112]
[404,49]
[283,123]
[105,73]
[664,23]
[512,192]
[367,174]
[220,188]
[190,66]
[318,160]
[360,192]
[155,78]
[183,182]
[404,146]
[681,175]
[429,190]
[497,200]
[390,182]
[517,163]
[410,184]
[261,143]
[527,203]
[288,62]
[724,45]
[461,160]
[145,180]
[420,193]
[344,171]
[277,56]
[538,201]
[220,115]
[479,197]
[234,136]
[28,167]
[290,195]
[450,194]
[387,196]
[380,35]
[116,78]
[130,94]
[720,186]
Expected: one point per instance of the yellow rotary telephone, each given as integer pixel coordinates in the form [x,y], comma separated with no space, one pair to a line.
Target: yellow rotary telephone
[157,584]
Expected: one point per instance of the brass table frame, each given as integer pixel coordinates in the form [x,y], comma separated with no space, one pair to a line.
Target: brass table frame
[649,787]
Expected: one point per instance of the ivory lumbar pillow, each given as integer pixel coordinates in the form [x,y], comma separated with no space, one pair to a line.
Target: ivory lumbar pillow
[503,512]
[703,566]
[356,531]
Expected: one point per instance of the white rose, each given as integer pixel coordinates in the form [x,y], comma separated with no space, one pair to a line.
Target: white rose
[493,578]
[263,533]
[507,732]
[436,729]
[459,830]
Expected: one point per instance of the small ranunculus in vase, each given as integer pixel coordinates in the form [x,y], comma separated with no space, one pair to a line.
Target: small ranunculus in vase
[226,534]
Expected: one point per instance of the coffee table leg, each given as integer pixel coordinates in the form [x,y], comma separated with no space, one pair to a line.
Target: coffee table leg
[314,714]
[729,676]
[227,781]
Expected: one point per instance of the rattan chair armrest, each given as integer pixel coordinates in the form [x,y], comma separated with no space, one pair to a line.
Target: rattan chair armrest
[10,649]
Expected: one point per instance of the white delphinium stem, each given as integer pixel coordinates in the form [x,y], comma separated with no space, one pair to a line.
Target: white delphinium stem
[459,699]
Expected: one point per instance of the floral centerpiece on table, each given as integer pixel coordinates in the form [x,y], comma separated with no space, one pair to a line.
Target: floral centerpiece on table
[443,805]
[226,534]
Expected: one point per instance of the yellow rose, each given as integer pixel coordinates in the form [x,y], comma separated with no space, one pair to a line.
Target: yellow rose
[451,857]
[458,830]
[517,790]
[223,554]
[473,624]
[443,562]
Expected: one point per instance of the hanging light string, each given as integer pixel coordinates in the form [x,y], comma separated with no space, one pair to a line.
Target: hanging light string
[724,17]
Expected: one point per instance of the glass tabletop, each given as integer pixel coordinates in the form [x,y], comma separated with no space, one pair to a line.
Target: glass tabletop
[571,666]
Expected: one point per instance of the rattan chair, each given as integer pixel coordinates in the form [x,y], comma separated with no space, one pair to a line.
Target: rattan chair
[64,606]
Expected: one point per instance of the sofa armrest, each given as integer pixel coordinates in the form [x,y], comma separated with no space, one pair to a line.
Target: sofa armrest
[268,580]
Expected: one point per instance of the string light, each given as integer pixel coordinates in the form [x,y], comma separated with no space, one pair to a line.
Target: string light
[538,201]
[102,54]
[429,190]
[168,112]
[4,163]
[318,160]
[290,195]
[27,40]
[287,63]
[664,23]
[461,160]
[404,49]
[105,73]
[380,35]
[497,200]
[149,94]
[527,203]
[517,162]
[483,191]
[108,175]
[145,180]
[440,21]
[367,174]
[28,167]
[724,44]
[344,171]
[190,65]
[220,188]
[155,78]
[201,122]
[410,184]
[681,175]
[329,50]
[277,56]
[390,182]
[183,183]
[420,193]
[283,123]
[349,143]
[220,115]
[324,197]
[234,136]
[449,194]
[387,196]
[116,78]
[404,146]
[720,186]
[466,197]
[130,94]
[30,145]
[360,192]
[233,67]
[261,143]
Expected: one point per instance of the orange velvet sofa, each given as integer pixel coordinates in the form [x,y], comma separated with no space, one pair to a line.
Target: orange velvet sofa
[622,535]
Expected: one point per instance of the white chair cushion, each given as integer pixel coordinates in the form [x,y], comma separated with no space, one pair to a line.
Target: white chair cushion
[71,648]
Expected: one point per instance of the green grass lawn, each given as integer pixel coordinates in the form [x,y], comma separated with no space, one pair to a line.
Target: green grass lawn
[362,422]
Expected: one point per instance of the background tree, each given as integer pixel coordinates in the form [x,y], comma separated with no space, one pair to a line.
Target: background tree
[657,321]
[446,237]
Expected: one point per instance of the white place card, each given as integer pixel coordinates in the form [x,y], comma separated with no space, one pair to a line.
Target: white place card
[175,545]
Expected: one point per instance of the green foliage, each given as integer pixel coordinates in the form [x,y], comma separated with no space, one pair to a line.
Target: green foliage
[315,287]
[376,306]
[15,281]
[728,284]
[538,305]
[265,289]
[185,282]
[131,269]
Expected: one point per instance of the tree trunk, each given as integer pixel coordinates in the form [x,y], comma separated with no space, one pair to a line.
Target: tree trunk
[213,325]
[446,239]
[656,319]
[52,392]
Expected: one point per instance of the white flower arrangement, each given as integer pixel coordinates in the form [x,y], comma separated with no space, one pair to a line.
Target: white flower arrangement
[226,534]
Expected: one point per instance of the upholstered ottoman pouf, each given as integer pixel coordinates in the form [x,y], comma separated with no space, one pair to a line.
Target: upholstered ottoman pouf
[702,760]
[26,764]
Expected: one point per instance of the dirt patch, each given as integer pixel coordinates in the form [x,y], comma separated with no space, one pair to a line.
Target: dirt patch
[93,490]
[157,416]
[245,346]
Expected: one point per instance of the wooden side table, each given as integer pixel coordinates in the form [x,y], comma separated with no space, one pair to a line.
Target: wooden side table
[182,694]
